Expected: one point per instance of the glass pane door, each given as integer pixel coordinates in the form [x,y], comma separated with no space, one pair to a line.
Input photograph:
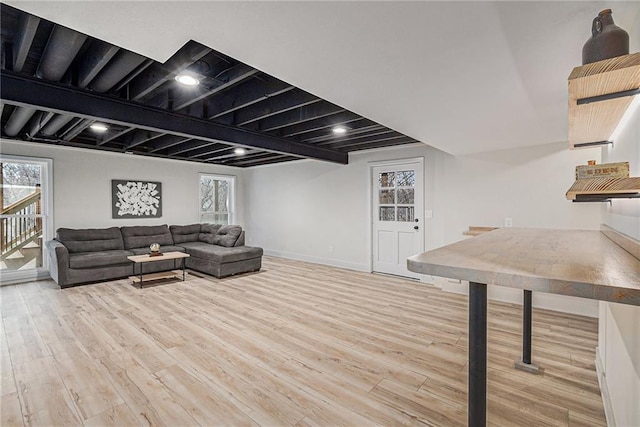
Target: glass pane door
[397,229]
[21,216]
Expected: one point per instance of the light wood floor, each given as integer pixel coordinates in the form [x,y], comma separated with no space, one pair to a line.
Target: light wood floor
[295,344]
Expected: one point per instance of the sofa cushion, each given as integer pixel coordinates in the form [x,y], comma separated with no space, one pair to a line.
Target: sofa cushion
[90,239]
[221,255]
[188,245]
[142,236]
[163,249]
[227,235]
[208,233]
[98,259]
[184,233]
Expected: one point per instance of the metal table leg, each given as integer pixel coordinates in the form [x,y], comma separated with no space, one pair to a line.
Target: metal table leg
[477,410]
[526,328]
[525,364]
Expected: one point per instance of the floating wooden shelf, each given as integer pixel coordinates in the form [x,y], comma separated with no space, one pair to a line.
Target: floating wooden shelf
[595,122]
[602,189]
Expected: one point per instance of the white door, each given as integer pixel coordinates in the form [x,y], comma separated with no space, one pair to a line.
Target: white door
[398,203]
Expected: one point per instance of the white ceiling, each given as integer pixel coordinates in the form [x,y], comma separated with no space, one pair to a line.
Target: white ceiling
[463,77]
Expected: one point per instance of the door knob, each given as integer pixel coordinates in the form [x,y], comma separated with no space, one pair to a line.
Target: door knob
[415,227]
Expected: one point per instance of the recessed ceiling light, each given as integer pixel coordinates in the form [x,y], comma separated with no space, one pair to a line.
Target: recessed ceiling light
[339,130]
[239,151]
[99,127]
[187,80]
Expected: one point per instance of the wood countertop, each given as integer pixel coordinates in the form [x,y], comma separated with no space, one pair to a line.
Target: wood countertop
[578,263]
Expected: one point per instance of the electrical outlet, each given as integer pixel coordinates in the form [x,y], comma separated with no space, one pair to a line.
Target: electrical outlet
[330,248]
[428,214]
[508,222]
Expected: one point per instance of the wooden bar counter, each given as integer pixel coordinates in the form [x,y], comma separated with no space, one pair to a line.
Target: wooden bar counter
[578,263]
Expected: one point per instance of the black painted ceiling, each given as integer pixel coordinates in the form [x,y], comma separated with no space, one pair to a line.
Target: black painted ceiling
[56,82]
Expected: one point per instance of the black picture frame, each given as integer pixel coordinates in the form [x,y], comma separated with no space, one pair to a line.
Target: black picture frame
[135,199]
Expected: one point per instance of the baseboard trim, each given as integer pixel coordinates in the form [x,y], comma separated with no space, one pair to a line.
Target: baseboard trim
[604,391]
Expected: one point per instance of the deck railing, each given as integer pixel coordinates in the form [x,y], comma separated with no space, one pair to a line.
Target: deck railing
[20,223]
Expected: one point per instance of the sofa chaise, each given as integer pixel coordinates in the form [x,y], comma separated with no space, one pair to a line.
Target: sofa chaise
[80,256]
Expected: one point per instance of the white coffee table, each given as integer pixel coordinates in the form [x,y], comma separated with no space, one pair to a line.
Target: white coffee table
[140,259]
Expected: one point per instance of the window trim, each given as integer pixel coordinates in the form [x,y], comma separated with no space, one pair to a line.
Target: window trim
[232,194]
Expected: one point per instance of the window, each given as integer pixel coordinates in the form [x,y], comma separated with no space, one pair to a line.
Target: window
[217,197]
[396,195]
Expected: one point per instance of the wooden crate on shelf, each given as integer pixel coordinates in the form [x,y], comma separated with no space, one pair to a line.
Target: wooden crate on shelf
[605,170]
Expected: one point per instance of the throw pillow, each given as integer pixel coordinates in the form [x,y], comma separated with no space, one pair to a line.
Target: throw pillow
[227,235]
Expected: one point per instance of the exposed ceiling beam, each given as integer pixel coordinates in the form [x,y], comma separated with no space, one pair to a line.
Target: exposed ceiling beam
[205,151]
[77,129]
[320,124]
[276,105]
[119,150]
[325,131]
[249,93]
[31,92]
[229,78]
[384,143]
[351,134]
[94,61]
[365,136]
[157,74]
[223,154]
[113,136]
[139,137]
[301,115]
[274,158]
[396,139]
[27,27]
[167,141]
[250,157]
[188,146]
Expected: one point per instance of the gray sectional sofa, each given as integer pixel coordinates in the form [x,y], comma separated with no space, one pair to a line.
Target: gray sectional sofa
[80,256]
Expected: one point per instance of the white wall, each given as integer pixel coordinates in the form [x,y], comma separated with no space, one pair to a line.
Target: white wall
[82,184]
[527,185]
[619,338]
[624,214]
[301,209]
